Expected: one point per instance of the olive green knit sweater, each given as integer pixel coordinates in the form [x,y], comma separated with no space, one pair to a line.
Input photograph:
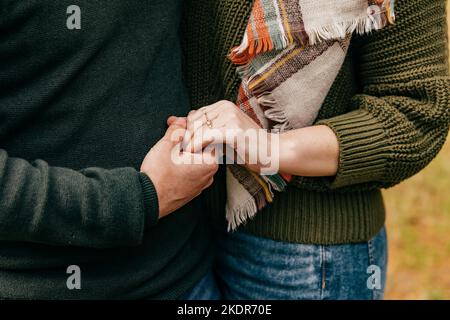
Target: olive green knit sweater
[389,107]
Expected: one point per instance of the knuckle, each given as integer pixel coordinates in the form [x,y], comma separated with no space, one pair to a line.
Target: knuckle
[230,105]
[191,115]
[208,183]
[214,168]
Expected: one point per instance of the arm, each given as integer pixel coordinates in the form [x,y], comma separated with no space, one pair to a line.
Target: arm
[90,208]
[398,123]
[309,152]
[95,207]
[401,119]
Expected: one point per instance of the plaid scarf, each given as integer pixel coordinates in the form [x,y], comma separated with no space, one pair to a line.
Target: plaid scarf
[289,58]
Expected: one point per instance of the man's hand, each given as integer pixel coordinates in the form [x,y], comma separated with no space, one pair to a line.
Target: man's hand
[177,184]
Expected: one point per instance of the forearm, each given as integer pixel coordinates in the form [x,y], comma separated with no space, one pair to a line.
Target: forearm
[58,206]
[398,120]
[309,152]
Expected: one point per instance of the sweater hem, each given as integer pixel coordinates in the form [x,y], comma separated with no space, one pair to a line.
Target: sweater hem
[309,217]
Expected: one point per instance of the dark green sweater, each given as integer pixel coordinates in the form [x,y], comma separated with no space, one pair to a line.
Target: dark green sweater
[389,107]
[89,104]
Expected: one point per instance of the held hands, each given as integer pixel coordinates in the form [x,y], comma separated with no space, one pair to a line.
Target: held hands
[224,123]
[310,152]
[177,183]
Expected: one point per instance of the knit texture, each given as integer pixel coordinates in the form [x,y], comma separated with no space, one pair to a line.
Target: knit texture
[389,108]
[90,104]
[282,65]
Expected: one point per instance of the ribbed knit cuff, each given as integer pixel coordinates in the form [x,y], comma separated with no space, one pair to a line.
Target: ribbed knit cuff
[363,148]
[150,198]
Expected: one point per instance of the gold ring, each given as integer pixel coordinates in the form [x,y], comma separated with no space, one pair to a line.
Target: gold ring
[208,122]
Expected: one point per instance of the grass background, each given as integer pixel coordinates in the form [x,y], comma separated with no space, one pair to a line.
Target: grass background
[418,219]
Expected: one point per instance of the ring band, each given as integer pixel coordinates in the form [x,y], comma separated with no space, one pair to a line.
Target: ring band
[208,121]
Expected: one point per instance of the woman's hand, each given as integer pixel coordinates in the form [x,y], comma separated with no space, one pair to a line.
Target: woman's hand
[224,123]
[223,117]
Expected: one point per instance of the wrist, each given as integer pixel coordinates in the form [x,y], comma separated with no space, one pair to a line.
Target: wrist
[263,156]
[290,153]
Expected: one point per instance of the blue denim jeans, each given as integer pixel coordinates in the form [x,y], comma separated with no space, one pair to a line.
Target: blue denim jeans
[255,268]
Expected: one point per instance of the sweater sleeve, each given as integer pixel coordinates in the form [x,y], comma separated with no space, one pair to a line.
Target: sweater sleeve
[401,118]
[94,207]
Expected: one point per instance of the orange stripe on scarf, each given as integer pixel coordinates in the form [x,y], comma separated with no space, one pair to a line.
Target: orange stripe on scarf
[262,38]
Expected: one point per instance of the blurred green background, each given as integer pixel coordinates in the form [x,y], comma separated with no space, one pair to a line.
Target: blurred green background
[418,219]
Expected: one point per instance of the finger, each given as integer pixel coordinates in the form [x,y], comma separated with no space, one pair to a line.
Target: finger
[200,113]
[214,136]
[197,118]
[213,149]
[203,135]
[186,140]
[171,120]
[201,140]
[204,164]
[210,157]
[200,143]
[177,121]
[194,120]
[175,133]
[195,114]
[209,183]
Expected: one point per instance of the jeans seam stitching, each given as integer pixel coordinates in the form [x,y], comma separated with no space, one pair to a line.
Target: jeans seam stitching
[323,272]
[370,254]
